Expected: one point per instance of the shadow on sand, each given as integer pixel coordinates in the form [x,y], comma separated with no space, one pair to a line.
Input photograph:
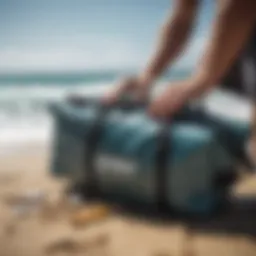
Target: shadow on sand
[238,218]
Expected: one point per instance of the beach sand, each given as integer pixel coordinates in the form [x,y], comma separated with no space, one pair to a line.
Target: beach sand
[44,227]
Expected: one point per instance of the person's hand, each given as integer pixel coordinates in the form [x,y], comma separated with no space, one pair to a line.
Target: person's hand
[138,86]
[171,100]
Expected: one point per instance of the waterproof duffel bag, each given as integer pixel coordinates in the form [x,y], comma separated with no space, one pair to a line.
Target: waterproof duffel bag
[121,152]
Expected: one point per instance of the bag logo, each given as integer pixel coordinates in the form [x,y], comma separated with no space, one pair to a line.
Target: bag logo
[117,167]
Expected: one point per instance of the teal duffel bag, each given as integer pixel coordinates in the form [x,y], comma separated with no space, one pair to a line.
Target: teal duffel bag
[120,152]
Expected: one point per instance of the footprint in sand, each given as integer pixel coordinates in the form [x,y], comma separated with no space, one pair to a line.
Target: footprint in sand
[69,245]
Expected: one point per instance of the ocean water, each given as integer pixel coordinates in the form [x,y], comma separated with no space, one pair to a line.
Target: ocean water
[24,101]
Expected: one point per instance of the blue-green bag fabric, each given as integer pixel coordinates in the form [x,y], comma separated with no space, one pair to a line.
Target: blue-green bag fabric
[71,129]
[234,133]
[126,154]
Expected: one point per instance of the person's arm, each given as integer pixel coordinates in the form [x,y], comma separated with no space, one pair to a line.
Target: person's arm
[233,26]
[173,38]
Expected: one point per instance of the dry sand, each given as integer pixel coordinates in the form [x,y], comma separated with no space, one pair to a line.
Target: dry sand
[48,231]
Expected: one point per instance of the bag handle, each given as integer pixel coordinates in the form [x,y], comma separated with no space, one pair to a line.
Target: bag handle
[126,104]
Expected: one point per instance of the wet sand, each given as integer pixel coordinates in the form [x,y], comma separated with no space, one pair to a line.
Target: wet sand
[44,227]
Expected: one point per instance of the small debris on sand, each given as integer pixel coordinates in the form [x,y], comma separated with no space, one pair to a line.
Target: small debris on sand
[23,204]
[162,254]
[21,211]
[188,243]
[69,245]
[101,240]
[31,198]
[75,200]
[60,206]
[49,211]
[89,214]
[64,245]
[10,229]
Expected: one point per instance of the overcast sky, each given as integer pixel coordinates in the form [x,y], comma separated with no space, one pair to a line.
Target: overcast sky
[87,34]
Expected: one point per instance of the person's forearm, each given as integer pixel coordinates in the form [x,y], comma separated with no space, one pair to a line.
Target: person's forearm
[173,38]
[233,26]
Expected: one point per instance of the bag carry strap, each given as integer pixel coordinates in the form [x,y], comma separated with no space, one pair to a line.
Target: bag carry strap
[91,141]
[95,133]
[161,167]
[164,151]
[93,138]
[91,144]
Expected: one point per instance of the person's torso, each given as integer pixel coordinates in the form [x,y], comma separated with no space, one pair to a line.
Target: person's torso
[241,78]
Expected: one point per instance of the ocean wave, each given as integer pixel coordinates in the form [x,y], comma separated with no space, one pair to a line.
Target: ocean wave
[28,100]
[24,112]
[24,115]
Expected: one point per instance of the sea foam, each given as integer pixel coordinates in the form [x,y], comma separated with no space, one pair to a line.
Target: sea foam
[24,115]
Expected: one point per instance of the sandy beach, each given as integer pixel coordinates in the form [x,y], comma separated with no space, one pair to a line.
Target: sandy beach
[45,226]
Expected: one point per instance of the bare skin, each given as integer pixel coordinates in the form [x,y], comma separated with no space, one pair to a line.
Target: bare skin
[172,40]
[233,25]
